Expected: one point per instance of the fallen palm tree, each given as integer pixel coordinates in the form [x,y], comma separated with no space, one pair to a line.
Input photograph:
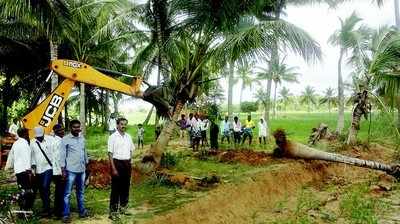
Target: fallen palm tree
[287,148]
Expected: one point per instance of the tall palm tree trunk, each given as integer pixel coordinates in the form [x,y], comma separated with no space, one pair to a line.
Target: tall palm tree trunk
[397,16]
[362,108]
[340,123]
[146,121]
[241,96]
[106,110]
[82,113]
[54,78]
[159,62]
[115,102]
[53,56]
[276,85]
[397,13]
[230,88]
[157,149]
[329,106]
[5,99]
[268,100]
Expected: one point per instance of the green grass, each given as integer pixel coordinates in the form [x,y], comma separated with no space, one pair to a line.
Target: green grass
[297,125]
[96,139]
[357,207]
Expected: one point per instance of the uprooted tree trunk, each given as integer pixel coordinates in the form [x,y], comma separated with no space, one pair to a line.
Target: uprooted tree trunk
[290,149]
[362,107]
[322,132]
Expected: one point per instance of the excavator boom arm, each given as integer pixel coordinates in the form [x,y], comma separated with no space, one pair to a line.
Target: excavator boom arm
[47,112]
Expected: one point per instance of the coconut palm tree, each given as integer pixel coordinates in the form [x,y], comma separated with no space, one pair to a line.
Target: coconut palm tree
[281,72]
[285,97]
[262,97]
[375,70]
[239,38]
[347,37]
[91,40]
[51,16]
[244,73]
[329,98]
[308,97]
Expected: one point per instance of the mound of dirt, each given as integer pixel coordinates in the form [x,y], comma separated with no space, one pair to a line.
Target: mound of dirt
[99,174]
[189,182]
[245,156]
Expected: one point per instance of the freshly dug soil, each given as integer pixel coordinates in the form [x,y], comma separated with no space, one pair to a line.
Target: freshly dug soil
[100,177]
[245,156]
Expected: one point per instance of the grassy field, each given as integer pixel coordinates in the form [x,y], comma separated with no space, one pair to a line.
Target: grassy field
[297,125]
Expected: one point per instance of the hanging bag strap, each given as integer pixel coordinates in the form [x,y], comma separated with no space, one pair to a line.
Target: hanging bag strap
[44,154]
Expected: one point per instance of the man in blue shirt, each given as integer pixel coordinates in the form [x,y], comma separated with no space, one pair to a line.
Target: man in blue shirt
[73,164]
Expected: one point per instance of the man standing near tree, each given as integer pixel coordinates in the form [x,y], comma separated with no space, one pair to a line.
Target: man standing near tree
[120,151]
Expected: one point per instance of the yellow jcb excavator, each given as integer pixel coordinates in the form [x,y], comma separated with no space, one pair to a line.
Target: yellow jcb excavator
[46,113]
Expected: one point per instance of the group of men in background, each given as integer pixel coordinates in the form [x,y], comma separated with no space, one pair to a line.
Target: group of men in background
[197,127]
[241,132]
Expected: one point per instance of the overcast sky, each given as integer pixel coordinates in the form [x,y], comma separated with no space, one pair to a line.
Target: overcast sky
[320,22]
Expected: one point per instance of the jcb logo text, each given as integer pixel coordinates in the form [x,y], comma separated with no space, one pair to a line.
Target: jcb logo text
[51,110]
[73,64]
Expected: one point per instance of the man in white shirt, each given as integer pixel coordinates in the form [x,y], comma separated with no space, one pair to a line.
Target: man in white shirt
[225,128]
[42,156]
[120,150]
[204,124]
[19,159]
[262,130]
[112,124]
[14,127]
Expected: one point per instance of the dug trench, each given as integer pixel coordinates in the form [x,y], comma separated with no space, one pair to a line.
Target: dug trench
[258,197]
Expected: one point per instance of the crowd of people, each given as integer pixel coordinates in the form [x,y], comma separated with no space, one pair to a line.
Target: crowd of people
[62,159]
[197,127]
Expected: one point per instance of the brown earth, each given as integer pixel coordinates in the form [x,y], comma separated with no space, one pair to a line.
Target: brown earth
[254,200]
[245,156]
[100,174]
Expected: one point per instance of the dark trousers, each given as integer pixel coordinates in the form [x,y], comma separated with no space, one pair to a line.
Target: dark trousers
[44,188]
[214,129]
[25,181]
[236,136]
[59,183]
[120,185]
